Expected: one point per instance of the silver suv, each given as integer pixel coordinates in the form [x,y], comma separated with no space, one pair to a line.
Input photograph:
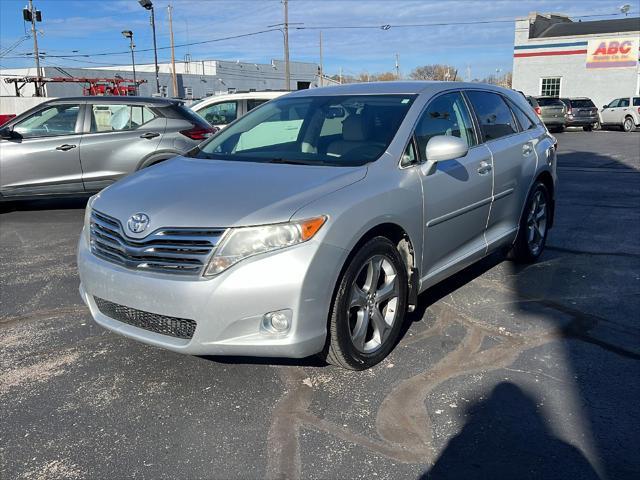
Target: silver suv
[312,224]
[71,146]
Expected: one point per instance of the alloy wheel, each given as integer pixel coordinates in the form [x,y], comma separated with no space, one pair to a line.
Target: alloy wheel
[628,125]
[373,304]
[537,223]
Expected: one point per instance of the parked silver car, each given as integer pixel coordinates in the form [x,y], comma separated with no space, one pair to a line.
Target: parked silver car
[70,146]
[319,241]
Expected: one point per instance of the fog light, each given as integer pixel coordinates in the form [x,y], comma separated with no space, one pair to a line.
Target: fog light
[278,321]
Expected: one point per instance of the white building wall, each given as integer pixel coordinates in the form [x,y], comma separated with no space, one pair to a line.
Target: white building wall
[601,85]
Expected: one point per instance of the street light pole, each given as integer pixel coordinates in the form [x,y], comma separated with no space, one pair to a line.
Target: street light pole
[287,68]
[148,5]
[129,34]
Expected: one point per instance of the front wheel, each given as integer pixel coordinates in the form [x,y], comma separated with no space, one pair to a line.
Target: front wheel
[628,124]
[532,234]
[369,307]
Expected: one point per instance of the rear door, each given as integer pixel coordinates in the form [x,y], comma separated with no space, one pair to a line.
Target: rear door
[45,160]
[457,195]
[118,138]
[514,159]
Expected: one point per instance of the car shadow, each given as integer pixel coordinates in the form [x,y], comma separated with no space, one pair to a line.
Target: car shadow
[506,437]
[63,203]
[584,290]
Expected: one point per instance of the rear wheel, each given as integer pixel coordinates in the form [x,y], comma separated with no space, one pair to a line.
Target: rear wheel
[628,124]
[532,234]
[369,306]
[587,128]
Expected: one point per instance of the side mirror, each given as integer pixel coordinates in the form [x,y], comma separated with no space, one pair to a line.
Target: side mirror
[605,106]
[445,147]
[7,133]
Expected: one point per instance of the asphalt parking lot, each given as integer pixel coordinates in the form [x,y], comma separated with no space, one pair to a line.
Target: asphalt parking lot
[504,371]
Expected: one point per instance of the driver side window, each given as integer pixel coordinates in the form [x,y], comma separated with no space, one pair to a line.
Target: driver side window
[49,122]
[446,115]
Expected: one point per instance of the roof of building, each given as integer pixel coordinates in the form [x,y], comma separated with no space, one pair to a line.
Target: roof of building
[570,29]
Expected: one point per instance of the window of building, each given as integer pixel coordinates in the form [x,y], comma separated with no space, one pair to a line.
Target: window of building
[550,87]
[493,114]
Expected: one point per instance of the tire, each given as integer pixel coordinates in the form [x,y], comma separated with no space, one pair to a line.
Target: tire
[587,128]
[628,125]
[533,229]
[364,328]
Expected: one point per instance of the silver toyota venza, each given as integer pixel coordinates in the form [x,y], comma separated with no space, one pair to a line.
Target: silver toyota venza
[311,224]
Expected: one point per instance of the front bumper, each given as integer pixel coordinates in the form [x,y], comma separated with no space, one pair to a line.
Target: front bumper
[228,308]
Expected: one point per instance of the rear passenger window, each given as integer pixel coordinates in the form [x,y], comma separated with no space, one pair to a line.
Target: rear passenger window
[446,115]
[494,116]
[118,117]
[523,119]
[636,101]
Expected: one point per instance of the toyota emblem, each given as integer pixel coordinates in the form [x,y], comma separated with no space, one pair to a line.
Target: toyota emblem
[138,222]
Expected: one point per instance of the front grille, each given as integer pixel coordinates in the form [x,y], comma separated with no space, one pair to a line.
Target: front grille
[169,250]
[172,326]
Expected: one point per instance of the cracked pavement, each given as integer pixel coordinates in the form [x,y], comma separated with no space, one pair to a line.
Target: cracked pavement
[504,371]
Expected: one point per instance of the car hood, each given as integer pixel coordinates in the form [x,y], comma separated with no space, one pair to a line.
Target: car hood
[189,192]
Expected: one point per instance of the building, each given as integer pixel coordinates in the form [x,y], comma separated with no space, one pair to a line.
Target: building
[195,79]
[555,56]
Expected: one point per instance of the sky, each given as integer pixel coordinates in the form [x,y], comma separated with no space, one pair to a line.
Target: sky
[87,27]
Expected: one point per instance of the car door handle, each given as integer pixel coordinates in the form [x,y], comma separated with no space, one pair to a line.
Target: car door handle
[527,148]
[484,168]
[65,147]
[149,135]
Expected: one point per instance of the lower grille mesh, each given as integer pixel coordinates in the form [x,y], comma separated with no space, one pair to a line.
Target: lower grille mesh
[172,326]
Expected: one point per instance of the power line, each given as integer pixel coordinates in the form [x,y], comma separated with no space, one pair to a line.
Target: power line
[202,42]
[431,24]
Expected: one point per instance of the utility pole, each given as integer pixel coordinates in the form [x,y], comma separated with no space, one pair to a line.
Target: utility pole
[33,15]
[173,53]
[321,67]
[287,68]
[397,67]
[340,75]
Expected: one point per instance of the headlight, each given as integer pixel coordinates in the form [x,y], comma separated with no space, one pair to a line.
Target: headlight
[87,217]
[240,243]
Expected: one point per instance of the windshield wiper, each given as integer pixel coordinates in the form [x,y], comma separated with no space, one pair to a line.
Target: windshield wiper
[289,161]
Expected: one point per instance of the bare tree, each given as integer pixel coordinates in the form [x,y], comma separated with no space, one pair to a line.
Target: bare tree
[434,72]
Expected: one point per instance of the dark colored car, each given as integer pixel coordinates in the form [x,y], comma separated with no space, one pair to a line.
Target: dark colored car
[553,113]
[581,112]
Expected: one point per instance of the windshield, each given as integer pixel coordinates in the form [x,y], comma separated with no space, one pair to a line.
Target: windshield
[550,102]
[337,130]
[582,103]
